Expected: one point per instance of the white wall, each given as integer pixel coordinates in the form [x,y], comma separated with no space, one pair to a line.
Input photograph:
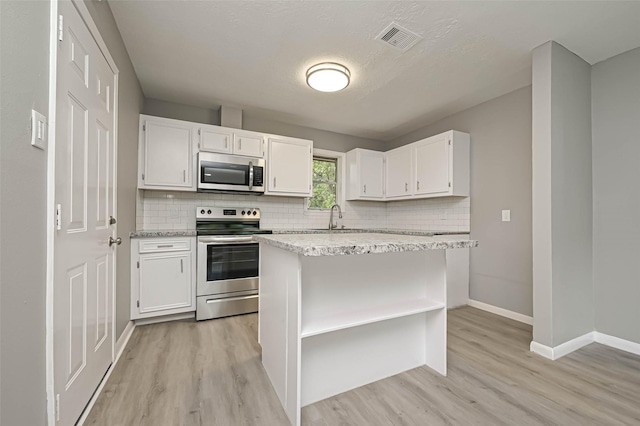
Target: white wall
[562,196]
[615,86]
[500,129]
[24,59]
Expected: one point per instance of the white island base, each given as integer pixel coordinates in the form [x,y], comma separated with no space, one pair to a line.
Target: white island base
[329,324]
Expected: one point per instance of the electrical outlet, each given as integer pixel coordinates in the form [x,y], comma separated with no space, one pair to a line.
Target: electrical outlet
[506,215]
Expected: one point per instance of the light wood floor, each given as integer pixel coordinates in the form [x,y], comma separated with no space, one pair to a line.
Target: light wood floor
[209,373]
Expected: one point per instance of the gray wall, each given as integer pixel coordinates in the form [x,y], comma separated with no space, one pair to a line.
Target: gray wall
[321,138]
[130,102]
[24,58]
[615,110]
[500,129]
[176,111]
[562,161]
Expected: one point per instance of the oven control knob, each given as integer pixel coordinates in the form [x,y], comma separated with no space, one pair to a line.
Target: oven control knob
[209,211]
[255,212]
[202,211]
[243,212]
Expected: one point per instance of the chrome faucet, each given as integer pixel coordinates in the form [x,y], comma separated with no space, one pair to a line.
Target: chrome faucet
[331,224]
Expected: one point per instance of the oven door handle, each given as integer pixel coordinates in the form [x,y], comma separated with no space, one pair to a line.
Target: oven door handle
[231,299]
[250,175]
[225,240]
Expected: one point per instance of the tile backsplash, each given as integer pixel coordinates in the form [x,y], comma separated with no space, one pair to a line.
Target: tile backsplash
[165,210]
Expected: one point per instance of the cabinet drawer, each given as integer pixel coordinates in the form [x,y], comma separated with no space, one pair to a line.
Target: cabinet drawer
[154,246]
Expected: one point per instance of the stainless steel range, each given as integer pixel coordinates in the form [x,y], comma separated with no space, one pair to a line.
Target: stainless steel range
[227,266]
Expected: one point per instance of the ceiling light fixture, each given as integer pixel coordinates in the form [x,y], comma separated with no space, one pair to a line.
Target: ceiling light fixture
[328,77]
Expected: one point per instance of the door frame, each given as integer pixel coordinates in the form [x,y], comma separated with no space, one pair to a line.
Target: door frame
[51,157]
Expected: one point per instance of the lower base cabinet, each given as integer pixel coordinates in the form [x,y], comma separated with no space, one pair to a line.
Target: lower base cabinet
[162,276]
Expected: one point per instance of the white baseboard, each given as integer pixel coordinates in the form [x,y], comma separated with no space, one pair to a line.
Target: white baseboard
[617,343]
[564,349]
[121,343]
[165,318]
[502,312]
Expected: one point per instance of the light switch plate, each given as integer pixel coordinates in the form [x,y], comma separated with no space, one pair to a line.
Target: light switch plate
[38,130]
[506,215]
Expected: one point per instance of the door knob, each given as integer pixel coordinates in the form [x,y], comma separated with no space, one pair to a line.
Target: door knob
[117,241]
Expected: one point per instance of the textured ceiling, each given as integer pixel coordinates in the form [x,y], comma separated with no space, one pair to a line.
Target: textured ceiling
[254,54]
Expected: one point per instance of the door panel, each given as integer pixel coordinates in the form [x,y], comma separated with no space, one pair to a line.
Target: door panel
[77,141]
[432,165]
[398,173]
[168,155]
[371,174]
[215,141]
[165,281]
[85,191]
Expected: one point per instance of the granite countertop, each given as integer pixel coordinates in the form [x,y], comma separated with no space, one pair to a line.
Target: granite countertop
[426,233]
[338,244]
[192,232]
[151,234]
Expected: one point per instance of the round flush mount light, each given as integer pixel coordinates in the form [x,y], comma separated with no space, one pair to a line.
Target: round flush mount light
[328,77]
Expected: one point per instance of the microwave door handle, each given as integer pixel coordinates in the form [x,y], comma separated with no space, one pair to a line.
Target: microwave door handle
[250,175]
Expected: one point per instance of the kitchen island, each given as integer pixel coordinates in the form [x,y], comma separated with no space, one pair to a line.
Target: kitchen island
[340,310]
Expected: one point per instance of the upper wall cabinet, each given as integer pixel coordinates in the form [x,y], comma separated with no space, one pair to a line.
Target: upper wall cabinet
[289,166]
[166,155]
[230,141]
[215,139]
[365,175]
[442,165]
[438,166]
[399,172]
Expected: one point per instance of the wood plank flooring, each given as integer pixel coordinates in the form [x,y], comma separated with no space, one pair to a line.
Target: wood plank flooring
[209,373]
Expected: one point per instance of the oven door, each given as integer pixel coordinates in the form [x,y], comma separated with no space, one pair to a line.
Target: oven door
[221,172]
[227,264]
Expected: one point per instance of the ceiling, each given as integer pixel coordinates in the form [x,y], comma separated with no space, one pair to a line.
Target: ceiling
[254,54]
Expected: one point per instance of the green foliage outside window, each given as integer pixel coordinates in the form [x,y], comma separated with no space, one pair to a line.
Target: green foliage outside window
[324,184]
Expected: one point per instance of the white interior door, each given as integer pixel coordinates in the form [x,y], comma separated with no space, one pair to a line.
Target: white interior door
[84,194]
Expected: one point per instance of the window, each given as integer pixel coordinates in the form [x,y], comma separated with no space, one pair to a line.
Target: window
[325,183]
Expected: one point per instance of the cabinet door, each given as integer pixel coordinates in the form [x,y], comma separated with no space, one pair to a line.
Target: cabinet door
[248,144]
[165,282]
[289,164]
[371,174]
[167,154]
[432,165]
[398,168]
[215,140]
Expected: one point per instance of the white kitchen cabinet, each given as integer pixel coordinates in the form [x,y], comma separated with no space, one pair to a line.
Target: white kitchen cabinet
[162,276]
[365,175]
[289,166]
[399,173]
[248,143]
[166,159]
[215,139]
[441,165]
[230,141]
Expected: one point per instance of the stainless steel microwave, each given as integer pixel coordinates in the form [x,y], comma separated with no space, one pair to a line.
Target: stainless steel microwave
[230,173]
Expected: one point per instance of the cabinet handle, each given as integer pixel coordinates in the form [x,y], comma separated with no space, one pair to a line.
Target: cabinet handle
[239,144]
[226,143]
[181,267]
[418,186]
[365,188]
[184,175]
[274,182]
[406,187]
[165,245]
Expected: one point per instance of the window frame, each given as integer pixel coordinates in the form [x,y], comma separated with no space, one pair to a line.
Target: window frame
[340,179]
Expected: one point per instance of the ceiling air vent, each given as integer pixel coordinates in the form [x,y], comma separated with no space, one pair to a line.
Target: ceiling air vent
[398,37]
